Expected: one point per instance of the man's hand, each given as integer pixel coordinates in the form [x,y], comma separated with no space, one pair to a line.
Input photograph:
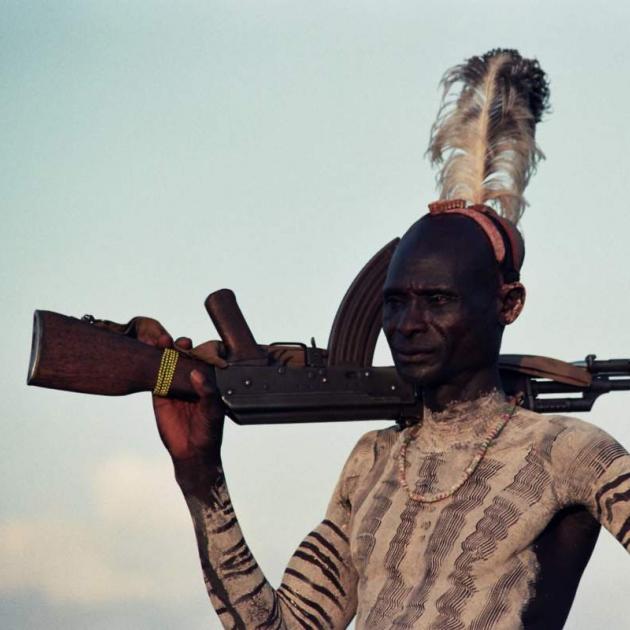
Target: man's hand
[191,431]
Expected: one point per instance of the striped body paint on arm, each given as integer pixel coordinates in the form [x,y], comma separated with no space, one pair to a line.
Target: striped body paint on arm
[594,470]
[318,589]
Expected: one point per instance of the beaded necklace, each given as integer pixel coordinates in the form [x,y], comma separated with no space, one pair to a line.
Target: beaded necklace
[470,469]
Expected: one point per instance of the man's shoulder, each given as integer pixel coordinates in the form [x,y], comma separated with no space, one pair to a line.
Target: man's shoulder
[379,437]
[564,436]
[370,447]
[553,424]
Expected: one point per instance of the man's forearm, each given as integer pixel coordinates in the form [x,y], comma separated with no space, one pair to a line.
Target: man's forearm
[237,587]
[319,585]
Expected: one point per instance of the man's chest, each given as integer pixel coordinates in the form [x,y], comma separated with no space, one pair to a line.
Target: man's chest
[493,518]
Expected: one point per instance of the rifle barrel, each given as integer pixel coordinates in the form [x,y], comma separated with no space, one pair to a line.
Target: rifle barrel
[600,385]
[618,367]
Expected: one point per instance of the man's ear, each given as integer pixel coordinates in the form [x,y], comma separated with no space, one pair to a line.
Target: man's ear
[512,300]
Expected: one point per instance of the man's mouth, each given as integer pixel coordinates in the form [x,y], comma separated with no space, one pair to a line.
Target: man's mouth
[412,355]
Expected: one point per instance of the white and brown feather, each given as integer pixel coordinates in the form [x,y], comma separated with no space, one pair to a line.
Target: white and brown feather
[484,135]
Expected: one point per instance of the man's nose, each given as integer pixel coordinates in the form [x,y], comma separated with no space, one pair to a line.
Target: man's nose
[414,320]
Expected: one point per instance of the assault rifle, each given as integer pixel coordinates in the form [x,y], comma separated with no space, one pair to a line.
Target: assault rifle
[293,382]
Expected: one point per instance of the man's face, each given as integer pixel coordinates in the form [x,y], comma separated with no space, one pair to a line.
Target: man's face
[441,304]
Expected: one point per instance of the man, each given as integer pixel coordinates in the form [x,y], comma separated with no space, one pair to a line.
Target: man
[482,515]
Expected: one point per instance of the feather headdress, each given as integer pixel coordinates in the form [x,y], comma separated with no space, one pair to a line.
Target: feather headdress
[484,135]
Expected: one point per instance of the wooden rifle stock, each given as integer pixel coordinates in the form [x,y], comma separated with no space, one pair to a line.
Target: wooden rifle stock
[74,355]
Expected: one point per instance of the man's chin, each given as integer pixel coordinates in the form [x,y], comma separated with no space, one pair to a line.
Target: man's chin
[420,375]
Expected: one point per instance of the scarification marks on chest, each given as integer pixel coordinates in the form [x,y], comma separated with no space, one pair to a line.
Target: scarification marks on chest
[532,480]
[380,487]
[527,488]
[448,526]
[395,590]
[370,524]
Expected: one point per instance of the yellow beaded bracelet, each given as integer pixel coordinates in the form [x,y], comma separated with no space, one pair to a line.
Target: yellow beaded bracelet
[166,372]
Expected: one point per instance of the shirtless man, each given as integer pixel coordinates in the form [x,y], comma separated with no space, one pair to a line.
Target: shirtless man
[482,516]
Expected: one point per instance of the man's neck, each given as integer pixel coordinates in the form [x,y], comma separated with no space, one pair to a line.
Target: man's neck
[464,387]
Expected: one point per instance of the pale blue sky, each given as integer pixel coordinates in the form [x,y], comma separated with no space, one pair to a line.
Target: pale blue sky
[155,151]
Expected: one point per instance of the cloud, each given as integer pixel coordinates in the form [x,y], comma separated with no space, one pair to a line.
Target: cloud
[64,561]
[137,544]
[127,484]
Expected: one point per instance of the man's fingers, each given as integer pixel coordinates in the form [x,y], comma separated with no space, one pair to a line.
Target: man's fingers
[164,341]
[151,332]
[185,343]
[210,353]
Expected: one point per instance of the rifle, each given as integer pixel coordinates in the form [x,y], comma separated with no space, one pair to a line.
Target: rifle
[293,382]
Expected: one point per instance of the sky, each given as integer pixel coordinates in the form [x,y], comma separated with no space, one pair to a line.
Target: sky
[153,152]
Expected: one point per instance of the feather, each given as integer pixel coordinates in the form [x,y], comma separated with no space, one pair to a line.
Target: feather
[484,135]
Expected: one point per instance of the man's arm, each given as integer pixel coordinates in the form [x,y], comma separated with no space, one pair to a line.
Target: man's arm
[592,469]
[318,589]
[319,585]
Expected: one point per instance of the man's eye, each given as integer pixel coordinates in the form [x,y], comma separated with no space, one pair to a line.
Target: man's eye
[393,301]
[439,299]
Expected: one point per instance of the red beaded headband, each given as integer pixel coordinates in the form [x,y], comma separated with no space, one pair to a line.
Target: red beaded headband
[495,227]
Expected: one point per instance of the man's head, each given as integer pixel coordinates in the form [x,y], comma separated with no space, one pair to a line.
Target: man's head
[446,303]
